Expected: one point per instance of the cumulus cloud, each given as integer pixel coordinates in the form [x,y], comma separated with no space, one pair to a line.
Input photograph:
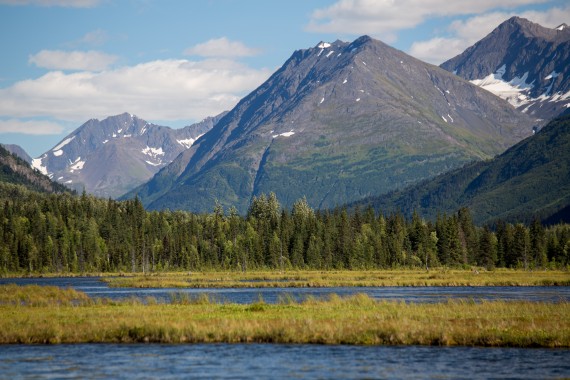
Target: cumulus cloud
[54,3]
[221,48]
[385,17]
[72,60]
[158,90]
[30,127]
[464,33]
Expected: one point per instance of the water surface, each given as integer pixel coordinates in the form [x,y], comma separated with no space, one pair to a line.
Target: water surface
[225,361]
[95,288]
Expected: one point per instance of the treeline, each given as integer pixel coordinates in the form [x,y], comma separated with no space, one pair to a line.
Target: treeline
[66,233]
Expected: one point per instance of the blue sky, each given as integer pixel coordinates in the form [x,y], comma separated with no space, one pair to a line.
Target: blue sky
[174,62]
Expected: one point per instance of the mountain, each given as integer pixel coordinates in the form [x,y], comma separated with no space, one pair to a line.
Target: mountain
[336,123]
[531,179]
[522,62]
[15,170]
[112,156]
[18,151]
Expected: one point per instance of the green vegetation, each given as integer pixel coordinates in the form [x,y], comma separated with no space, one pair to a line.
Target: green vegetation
[301,279]
[352,320]
[63,233]
[530,180]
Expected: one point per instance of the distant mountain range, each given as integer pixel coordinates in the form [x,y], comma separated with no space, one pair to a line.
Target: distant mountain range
[522,62]
[336,123]
[531,179]
[14,170]
[112,156]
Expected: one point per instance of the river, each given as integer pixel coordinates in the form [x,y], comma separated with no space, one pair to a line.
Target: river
[269,361]
[245,361]
[97,289]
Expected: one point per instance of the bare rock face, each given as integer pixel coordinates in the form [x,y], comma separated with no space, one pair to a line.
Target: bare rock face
[112,156]
[522,62]
[336,123]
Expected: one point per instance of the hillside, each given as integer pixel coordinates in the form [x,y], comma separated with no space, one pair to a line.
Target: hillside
[14,170]
[532,179]
[336,123]
[18,151]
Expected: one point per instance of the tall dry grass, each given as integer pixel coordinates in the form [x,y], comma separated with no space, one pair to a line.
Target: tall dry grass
[353,320]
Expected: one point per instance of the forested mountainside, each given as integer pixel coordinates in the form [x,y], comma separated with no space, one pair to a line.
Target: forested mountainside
[15,170]
[18,151]
[530,180]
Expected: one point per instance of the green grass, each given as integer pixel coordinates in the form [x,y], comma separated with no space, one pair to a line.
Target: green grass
[353,320]
[299,279]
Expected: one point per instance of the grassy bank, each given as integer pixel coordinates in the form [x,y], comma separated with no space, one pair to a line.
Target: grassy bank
[71,318]
[260,279]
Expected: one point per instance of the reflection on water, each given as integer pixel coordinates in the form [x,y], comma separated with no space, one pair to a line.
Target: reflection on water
[95,288]
[279,361]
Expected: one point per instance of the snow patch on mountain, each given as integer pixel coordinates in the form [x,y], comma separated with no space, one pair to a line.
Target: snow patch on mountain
[153,152]
[58,153]
[77,165]
[512,91]
[37,164]
[63,143]
[286,134]
[187,143]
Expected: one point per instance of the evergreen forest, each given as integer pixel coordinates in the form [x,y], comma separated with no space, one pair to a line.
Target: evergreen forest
[67,233]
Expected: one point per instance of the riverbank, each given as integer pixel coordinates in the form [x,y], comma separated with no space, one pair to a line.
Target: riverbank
[300,279]
[31,316]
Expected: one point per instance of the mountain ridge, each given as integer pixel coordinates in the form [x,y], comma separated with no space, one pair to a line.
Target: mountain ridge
[522,62]
[111,156]
[337,121]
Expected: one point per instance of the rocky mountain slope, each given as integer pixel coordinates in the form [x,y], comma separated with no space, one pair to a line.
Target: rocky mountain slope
[531,179]
[336,123]
[14,170]
[114,155]
[18,151]
[522,62]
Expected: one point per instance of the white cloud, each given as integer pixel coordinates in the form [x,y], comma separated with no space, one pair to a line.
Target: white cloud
[157,90]
[385,17]
[72,60]
[54,3]
[30,127]
[437,49]
[221,48]
[465,33]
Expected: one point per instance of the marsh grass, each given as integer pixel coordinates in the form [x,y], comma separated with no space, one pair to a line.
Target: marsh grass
[357,319]
[300,279]
[34,295]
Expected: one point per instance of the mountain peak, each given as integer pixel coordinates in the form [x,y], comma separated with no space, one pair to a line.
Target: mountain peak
[336,122]
[522,62]
[533,30]
[111,156]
